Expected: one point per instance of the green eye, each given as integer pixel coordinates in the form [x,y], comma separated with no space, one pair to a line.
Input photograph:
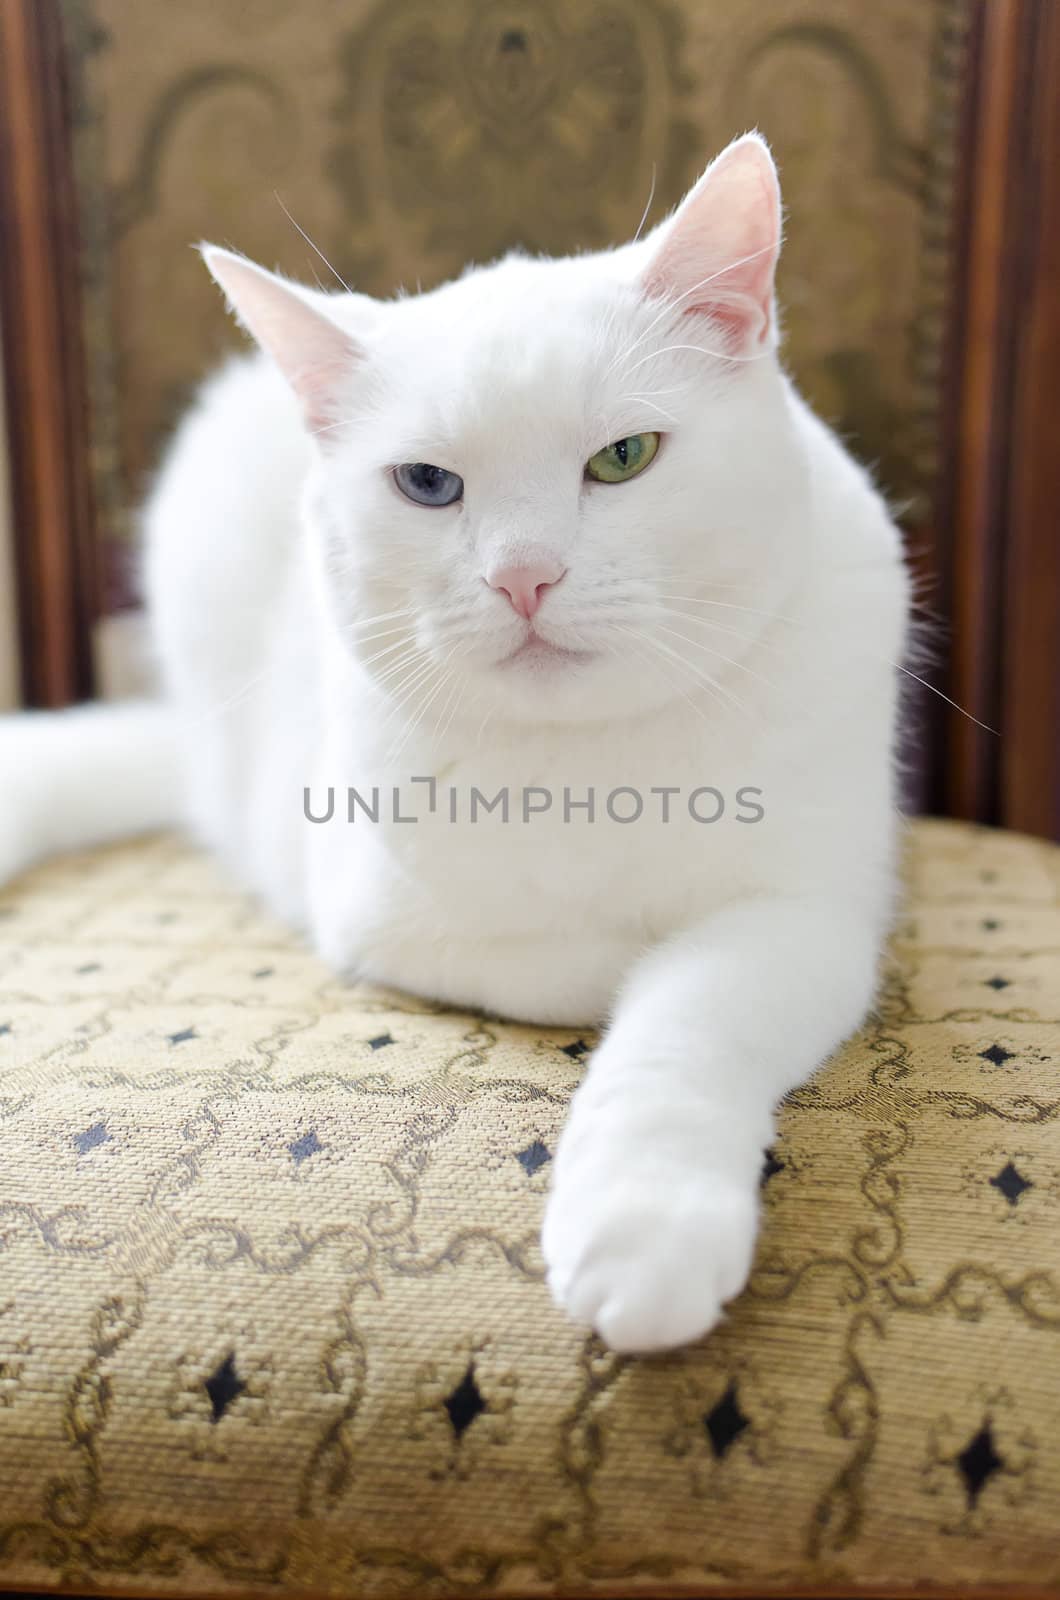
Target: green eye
[617,462]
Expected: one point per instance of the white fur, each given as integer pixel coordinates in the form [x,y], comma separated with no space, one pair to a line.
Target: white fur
[86,776]
[730,958]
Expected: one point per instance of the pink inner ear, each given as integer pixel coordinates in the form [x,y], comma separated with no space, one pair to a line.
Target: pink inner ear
[719,255]
[313,353]
[740,323]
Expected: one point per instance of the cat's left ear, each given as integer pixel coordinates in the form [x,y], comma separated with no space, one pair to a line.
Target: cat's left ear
[313,353]
[717,255]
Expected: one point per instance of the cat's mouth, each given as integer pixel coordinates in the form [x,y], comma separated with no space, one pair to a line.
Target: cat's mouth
[536,651]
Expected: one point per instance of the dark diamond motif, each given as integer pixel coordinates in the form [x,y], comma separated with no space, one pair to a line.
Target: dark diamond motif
[264,972]
[89,966]
[770,1167]
[224,1386]
[380,1042]
[183,1036]
[465,1402]
[306,1146]
[576,1050]
[726,1422]
[990,924]
[1011,1182]
[91,1137]
[997,1054]
[978,1462]
[5,1027]
[998,983]
[533,1158]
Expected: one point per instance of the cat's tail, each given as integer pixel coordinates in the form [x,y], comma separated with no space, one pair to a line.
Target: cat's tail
[70,779]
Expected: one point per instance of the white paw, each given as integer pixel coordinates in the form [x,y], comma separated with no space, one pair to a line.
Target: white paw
[645,1249]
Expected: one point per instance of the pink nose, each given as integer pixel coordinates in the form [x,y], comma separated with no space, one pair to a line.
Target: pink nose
[525,586]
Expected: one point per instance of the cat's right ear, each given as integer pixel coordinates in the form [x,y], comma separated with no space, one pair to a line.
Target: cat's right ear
[717,254]
[314,355]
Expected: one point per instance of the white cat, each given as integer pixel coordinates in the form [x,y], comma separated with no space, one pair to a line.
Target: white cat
[558,526]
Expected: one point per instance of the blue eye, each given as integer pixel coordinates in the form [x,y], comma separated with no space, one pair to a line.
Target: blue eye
[428,485]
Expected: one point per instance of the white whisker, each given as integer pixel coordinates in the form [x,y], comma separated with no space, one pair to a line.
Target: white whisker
[641,399]
[924,684]
[721,627]
[654,664]
[719,355]
[704,677]
[672,303]
[236,698]
[310,243]
[482,726]
[715,689]
[647,208]
[719,655]
[729,605]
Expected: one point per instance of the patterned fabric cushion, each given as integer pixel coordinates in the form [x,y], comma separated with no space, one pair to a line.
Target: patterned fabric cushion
[272,1316]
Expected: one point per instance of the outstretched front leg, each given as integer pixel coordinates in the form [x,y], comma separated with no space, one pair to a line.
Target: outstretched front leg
[651,1223]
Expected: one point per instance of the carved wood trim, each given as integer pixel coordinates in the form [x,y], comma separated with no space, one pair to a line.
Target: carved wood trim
[1030,622]
[1001,559]
[43,367]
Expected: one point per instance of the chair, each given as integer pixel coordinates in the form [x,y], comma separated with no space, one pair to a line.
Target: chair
[272,1310]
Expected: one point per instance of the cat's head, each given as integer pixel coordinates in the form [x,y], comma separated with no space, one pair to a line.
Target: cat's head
[552,489]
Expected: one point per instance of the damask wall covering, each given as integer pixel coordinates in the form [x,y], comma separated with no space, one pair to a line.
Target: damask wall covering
[406,139]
